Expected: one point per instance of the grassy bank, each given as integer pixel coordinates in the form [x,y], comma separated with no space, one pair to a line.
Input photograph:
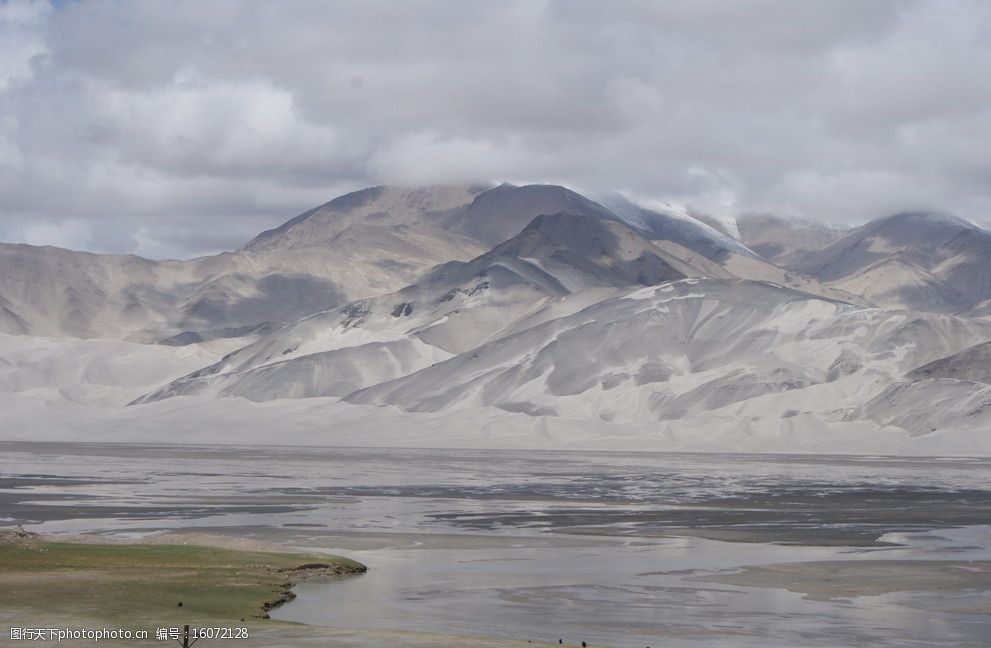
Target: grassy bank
[135,585]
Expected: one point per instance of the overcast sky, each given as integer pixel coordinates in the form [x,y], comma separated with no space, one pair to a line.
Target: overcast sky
[179,128]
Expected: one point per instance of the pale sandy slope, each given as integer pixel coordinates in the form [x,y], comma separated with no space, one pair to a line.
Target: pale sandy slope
[804,412]
[330,422]
[751,352]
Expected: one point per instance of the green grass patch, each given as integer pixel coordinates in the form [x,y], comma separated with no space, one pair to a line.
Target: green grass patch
[142,585]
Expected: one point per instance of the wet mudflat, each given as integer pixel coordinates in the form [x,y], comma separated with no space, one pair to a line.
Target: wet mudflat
[614,549]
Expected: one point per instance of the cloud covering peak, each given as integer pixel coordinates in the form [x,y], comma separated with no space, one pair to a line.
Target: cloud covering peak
[173,129]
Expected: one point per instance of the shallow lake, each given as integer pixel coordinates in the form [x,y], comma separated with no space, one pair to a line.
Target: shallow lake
[614,549]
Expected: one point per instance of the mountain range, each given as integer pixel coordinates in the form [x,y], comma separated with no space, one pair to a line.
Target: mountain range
[515,316]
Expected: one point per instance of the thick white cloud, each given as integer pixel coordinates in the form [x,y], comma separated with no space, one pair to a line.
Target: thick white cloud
[177,128]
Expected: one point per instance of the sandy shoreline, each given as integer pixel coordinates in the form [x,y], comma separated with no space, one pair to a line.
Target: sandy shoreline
[844,579]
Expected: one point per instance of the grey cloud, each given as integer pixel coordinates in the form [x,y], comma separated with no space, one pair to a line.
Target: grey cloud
[179,128]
